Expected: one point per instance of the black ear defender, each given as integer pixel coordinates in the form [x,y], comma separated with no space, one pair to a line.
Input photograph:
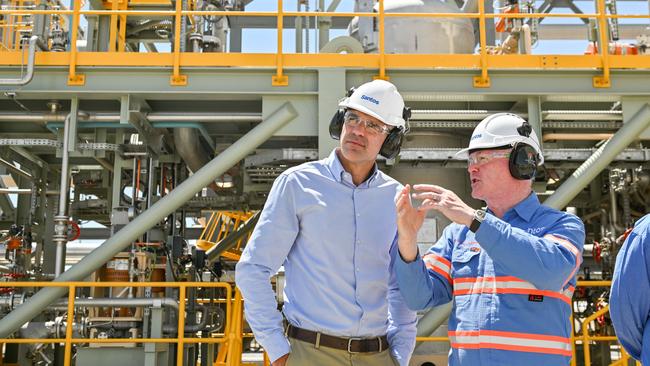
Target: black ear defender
[523,158]
[391,146]
[393,143]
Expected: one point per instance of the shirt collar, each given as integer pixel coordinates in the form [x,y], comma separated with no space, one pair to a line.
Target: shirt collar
[527,207]
[336,168]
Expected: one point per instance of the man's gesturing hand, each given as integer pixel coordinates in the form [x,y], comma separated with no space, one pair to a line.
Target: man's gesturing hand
[445,201]
[409,221]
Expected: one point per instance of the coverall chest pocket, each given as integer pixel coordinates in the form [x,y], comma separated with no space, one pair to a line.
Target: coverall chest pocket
[464,263]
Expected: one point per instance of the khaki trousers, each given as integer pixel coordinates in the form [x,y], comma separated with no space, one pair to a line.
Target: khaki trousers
[303,353]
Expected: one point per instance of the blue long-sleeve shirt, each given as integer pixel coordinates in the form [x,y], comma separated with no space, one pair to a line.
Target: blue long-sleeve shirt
[629,305]
[511,283]
[335,241]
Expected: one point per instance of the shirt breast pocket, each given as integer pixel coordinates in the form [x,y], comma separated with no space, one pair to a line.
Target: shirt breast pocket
[464,263]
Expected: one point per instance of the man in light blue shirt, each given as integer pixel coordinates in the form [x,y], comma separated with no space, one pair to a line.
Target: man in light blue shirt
[629,299]
[332,224]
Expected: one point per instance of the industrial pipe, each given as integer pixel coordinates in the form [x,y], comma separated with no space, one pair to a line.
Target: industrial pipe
[186,142]
[576,136]
[600,159]
[167,328]
[151,117]
[120,302]
[15,191]
[190,328]
[30,67]
[588,115]
[432,319]
[60,236]
[161,209]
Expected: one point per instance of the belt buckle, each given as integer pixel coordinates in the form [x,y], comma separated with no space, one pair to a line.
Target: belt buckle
[350,344]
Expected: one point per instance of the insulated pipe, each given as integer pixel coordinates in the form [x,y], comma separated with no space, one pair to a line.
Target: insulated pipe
[161,209]
[117,302]
[186,142]
[115,117]
[15,191]
[600,159]
[430,321]
[30,67]
[60,237]
[576,136]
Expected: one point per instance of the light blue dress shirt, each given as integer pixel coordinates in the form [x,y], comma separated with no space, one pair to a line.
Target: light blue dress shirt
[629,299]
[335,241]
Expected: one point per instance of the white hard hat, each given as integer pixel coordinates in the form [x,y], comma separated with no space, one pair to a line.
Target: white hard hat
[380,99]
[500,130]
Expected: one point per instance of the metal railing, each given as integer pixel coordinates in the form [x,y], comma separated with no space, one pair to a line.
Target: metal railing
[603,62]
[231,338]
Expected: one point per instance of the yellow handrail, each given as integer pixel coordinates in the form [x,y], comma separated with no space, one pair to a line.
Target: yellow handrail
[232,335]
[280,61]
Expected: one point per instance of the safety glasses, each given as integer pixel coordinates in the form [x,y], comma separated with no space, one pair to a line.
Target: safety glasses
[483,157]
[354,120]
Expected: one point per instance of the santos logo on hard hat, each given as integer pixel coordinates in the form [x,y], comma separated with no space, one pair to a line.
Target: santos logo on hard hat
[370,99]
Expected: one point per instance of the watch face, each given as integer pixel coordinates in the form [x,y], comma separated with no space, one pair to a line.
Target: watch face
[480,215]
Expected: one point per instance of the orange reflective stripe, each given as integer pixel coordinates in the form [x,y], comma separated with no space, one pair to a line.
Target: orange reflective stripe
[563,242]
[438,264]
[511,341]
[572,248]
[504,285]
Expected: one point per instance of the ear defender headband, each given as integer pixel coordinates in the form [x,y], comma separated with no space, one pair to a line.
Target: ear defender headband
[393,142]
[523,158]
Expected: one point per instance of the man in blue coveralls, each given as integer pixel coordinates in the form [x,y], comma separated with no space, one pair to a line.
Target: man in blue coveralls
[332,224]
[629,299]
[510,269]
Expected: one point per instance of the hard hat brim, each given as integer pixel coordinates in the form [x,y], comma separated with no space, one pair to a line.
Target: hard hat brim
[345,103]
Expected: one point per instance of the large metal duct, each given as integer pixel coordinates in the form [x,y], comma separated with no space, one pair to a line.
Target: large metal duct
[161,209]
[188,146]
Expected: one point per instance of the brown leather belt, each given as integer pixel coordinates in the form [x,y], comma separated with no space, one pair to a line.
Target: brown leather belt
[352,345]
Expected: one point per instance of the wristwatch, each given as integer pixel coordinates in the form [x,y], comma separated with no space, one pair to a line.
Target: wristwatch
[479,216]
